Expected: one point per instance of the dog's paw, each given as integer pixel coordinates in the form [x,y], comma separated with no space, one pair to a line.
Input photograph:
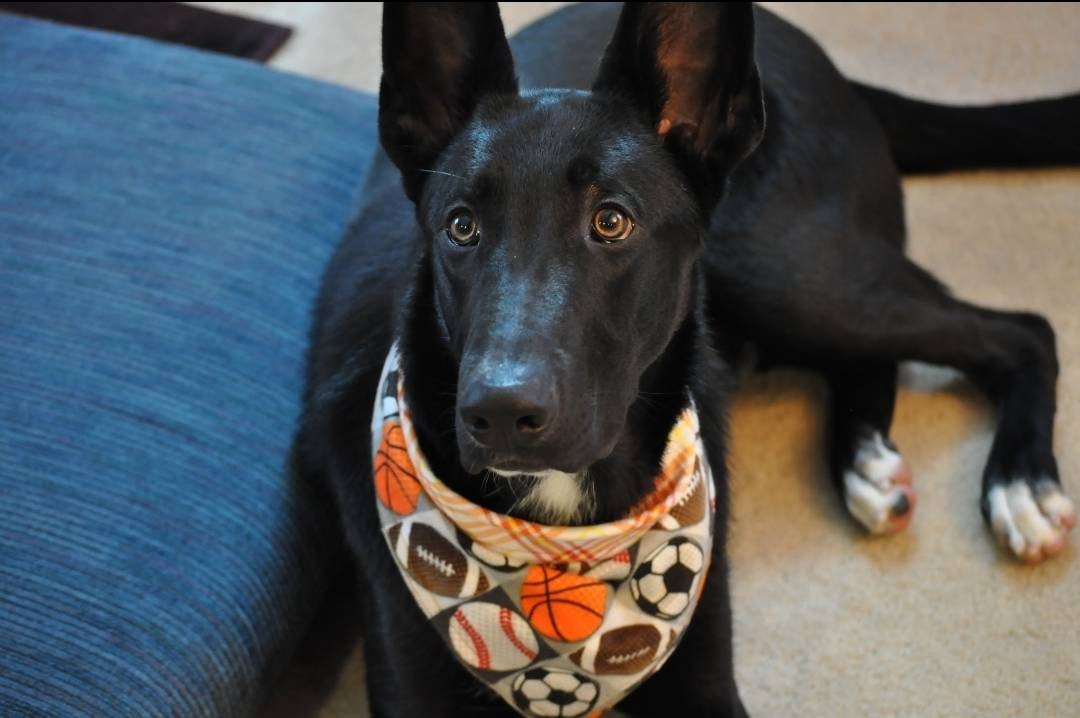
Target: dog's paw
[877,486]
[1032,518]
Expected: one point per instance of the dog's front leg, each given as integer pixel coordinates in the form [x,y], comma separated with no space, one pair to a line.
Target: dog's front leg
[698,679]
[409,670]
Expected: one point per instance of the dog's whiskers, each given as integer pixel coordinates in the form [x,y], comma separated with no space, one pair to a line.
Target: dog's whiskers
[440,172]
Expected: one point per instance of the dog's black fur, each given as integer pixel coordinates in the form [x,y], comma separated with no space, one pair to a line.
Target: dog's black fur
[768,211]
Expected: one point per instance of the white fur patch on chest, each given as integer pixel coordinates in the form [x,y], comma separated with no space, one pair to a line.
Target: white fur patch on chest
[556,497]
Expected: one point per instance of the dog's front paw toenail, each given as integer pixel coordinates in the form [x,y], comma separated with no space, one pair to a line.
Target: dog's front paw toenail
[1032,519]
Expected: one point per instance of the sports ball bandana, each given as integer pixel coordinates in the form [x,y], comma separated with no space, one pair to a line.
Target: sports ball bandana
[558,620]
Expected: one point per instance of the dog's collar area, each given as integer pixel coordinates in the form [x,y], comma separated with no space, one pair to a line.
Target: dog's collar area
[551,617]
[551,496]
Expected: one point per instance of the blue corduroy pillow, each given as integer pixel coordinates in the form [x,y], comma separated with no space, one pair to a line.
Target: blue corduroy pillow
[165,215]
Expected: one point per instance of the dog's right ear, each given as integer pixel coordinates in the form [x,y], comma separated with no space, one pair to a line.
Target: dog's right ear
[690,68]
[439,59]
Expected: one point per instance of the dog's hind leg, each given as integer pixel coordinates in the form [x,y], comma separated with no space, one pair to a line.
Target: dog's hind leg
[870,474]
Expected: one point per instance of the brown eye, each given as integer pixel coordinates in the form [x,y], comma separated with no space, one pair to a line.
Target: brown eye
[462,229]
[611,224]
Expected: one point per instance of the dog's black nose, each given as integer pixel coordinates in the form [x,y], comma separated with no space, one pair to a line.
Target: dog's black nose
[505,418]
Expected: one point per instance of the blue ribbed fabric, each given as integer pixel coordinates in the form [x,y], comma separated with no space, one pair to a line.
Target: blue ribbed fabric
[165,215]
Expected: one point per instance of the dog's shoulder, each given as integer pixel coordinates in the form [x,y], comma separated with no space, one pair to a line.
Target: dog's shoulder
[359,301]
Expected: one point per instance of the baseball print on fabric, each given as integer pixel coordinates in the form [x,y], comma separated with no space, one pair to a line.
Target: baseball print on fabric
[492,637]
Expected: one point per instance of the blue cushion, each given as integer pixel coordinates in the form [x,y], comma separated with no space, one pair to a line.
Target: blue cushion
[165,215]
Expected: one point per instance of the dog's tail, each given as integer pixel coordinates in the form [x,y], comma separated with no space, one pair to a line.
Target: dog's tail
[926,137]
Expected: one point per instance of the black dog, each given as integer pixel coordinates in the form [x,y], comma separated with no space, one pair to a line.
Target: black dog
[566,268]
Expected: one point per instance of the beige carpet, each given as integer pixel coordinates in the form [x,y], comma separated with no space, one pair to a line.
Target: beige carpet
[934,622]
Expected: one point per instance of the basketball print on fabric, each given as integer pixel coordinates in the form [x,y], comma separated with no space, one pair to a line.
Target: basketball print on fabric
[561,605]
[395,478]
[435,562]
[554,692]
[621,651]
[491,637]
[667,579]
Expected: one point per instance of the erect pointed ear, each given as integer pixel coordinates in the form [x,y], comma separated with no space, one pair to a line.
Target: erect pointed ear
[690,68]
[439,59]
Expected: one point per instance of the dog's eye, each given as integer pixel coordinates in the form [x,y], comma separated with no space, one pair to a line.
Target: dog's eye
[462,229]
[610,224]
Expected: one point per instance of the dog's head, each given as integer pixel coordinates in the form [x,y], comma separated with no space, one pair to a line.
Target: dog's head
[563,226]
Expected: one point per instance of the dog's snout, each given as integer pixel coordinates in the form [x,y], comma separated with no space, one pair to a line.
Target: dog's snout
[505,418]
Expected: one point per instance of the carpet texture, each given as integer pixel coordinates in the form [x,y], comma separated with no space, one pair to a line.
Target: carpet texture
[165,215]
[937,621]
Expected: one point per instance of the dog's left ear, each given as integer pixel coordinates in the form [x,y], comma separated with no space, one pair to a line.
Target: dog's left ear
[439,59]
[690,68]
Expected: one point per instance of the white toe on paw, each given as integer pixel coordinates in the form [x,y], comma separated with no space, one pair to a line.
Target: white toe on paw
[877,487]
[1033,524]
[1055,505]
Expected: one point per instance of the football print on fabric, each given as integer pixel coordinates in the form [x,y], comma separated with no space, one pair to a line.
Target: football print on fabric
[621,651]
[615,569]
[490,558]
[388,398]
[667,579]
[554,692]
[436,563]
[561,605]
[691,509]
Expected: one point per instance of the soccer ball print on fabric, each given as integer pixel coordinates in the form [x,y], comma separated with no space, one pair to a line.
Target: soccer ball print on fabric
[665,582]
[554,692]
